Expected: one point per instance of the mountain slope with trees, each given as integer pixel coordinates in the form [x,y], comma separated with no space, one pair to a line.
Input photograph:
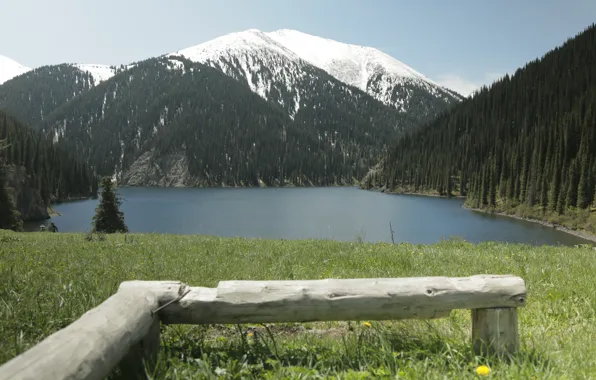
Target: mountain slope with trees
[32,96]
[170,121]
[527,144]
[38,172]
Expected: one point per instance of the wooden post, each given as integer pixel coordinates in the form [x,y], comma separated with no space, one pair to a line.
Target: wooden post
[495,331]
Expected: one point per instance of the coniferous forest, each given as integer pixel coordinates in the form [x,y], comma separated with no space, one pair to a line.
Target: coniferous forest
[526,143]
[213,127]
[37,172]
[33,95]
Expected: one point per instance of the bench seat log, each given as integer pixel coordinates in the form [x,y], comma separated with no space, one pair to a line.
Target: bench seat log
[336,300]
[96,343]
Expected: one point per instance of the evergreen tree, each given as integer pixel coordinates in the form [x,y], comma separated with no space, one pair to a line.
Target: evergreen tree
[10,218]
[108,217]
[49,169]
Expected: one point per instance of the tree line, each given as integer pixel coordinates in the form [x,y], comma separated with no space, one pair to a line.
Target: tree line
[53,172]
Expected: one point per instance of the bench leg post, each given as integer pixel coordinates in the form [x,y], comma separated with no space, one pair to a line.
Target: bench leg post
[142,358]
[495,331]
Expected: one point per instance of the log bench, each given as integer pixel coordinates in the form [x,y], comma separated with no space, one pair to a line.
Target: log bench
[123,331]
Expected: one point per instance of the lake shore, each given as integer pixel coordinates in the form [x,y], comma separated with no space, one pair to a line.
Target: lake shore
[380,190]
[53,212]
[558,227]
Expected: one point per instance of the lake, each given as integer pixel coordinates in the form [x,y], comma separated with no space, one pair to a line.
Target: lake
[340,213]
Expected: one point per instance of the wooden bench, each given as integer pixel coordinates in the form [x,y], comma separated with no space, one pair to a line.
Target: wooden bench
[124,330]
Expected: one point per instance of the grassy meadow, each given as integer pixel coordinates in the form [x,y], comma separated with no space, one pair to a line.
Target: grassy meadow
[49,280]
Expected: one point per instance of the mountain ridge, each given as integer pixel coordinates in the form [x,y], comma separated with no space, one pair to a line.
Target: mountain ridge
[369,69]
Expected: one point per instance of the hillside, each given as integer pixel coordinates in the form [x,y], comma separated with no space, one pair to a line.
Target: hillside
[192,125]
[38,172]
[527,144]
[34,95]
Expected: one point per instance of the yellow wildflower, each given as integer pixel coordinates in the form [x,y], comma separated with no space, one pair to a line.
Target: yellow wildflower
[483,370]
[366,324]
[251,334]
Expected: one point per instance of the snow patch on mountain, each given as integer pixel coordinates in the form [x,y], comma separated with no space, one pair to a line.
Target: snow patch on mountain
[366,68]
[99,73]
[242,42]
[352,64]
[10,69]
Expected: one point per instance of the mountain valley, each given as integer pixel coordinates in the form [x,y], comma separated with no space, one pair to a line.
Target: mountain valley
[244,109]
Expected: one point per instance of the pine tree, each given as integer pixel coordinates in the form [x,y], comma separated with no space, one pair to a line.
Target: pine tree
[108,217]
[10,218]
[583,188]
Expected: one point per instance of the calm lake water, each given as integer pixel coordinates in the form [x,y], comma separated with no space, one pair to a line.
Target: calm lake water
[346,214]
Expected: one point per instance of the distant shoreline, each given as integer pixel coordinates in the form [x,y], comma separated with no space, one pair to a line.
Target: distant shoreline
[558,227]
[379,190]
[581,234]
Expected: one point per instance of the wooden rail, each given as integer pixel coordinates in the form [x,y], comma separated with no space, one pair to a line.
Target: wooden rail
[124,330]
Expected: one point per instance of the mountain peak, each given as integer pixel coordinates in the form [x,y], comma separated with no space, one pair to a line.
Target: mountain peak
[234,43]
[10,68]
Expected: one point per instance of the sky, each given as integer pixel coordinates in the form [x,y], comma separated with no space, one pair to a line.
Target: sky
[461,44]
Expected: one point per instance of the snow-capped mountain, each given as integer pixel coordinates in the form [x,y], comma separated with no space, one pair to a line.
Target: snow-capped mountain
[10,69]
[276,62]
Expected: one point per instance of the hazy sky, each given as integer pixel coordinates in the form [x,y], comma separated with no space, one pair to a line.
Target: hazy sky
[459,43]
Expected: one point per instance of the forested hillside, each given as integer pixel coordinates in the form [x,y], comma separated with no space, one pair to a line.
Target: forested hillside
[170,121]
[33,95]
[527,143]
[39,172]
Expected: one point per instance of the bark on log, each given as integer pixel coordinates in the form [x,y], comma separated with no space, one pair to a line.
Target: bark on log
[93,345]
[331,300]
[165,291]
[142,357]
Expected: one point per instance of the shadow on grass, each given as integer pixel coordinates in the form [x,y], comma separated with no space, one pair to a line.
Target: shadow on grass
[257,351]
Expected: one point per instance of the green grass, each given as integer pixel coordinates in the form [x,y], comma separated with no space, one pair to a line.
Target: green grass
[49,280]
